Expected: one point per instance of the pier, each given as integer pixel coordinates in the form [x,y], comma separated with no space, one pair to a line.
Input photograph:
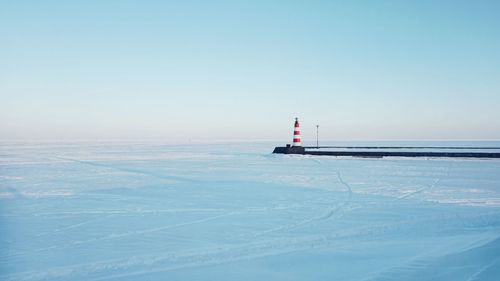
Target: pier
[379,152]
[385,151]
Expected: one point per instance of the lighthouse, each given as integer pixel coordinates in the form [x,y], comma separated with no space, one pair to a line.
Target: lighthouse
[297,147]
[296,133]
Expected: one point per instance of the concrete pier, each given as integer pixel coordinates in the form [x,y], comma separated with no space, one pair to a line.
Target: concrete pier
[370,152]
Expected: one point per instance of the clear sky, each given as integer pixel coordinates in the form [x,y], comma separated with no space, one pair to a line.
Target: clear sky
[242,70]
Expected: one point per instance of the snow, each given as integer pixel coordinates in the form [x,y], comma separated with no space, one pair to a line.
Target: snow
[148,211]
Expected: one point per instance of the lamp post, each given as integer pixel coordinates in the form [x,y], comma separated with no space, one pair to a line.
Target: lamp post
[317,136]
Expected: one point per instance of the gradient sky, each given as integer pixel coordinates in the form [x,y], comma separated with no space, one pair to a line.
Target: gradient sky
[242,70]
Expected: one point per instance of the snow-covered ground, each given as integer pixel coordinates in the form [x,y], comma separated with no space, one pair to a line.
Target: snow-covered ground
[145,211]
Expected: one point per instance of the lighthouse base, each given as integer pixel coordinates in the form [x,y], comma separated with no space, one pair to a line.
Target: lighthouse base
[290,149]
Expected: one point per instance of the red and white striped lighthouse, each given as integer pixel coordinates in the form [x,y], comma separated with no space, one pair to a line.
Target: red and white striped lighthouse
[296,133]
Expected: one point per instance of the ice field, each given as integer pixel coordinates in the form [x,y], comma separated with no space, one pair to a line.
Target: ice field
[150,211]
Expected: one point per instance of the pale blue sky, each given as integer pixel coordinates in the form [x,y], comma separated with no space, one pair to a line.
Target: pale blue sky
[204,70]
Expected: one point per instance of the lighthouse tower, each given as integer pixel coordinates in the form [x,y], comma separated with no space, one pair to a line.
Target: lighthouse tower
[297,147]
[296,133]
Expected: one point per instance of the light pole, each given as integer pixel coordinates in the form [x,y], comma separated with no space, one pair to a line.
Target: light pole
[317,136]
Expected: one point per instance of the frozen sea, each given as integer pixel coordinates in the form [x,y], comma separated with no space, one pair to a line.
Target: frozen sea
[152,211]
